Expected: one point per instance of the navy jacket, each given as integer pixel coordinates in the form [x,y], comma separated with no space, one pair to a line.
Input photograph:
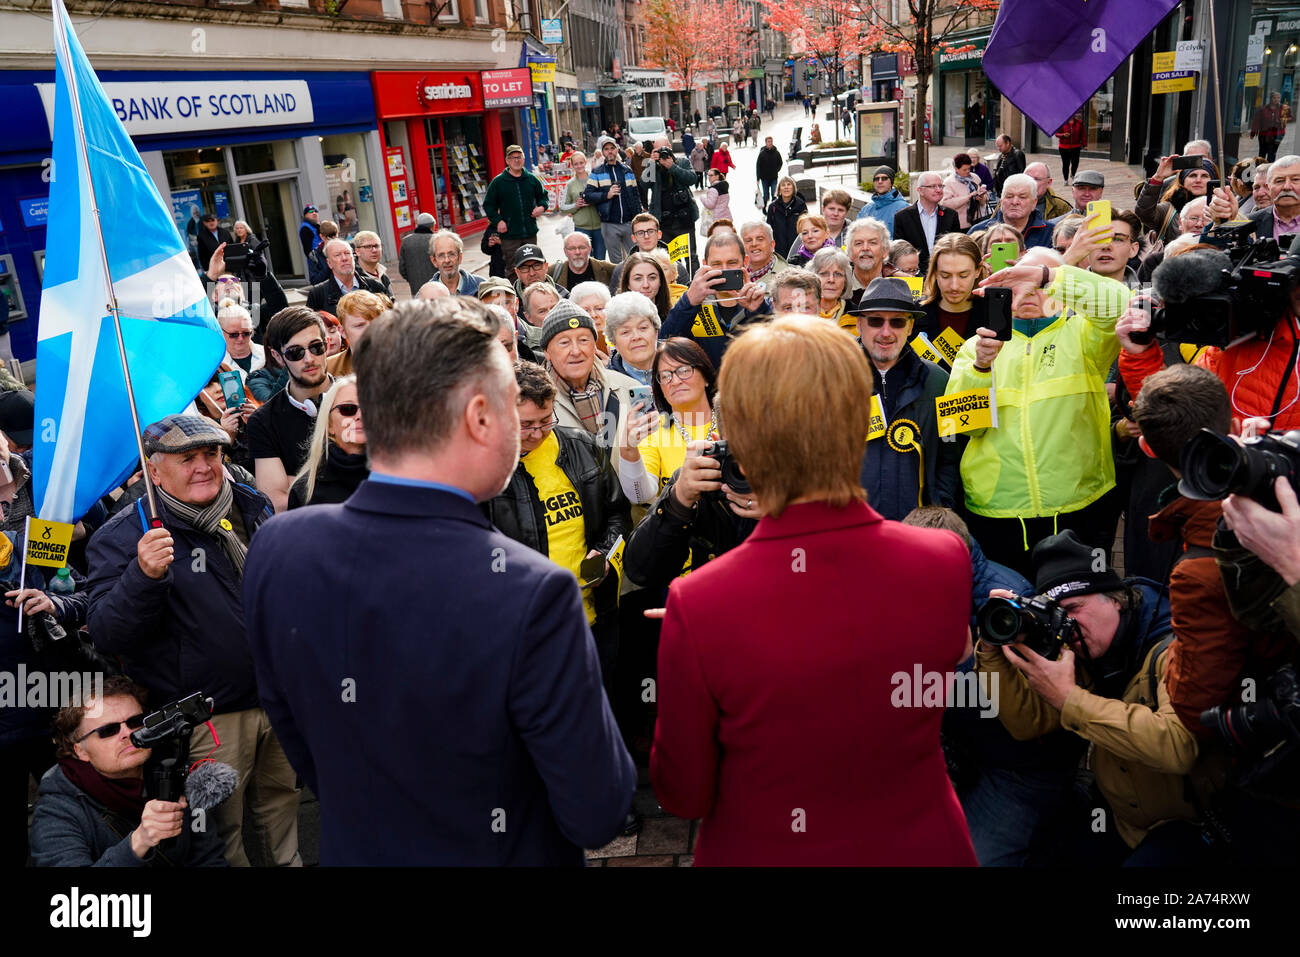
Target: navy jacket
[184,632]
[445,702]
[714,337]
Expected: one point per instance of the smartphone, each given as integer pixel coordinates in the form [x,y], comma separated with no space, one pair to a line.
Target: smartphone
[732,279]
[1099,215]
[236,254]
[1210,188]
[1002,255]
[997,311]
[643,398]
[1187,162]
[591,571]
[232,387]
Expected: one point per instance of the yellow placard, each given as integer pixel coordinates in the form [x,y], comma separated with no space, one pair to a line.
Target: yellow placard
[949,344]
[966,411]
[1252,78]
[1166,79]
[914,283]
[543,72]
[47,543]
[921,346]
[615,557]
[878,426]
[679,248]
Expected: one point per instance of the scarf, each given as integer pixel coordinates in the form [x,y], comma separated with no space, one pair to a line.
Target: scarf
[805,251]
[122,796]
[532,334]
[212,520]
[589,403]
[756,274]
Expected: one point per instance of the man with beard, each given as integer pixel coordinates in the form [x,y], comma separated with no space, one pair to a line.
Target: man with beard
[867,244]
[344,277]
[278,432]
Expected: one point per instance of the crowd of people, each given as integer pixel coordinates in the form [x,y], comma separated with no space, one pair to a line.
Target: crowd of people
[699,508]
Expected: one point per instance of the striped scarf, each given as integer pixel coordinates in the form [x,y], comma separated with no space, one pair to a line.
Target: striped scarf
[212,520]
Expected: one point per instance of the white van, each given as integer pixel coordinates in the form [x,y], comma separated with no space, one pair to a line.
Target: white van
[642,128]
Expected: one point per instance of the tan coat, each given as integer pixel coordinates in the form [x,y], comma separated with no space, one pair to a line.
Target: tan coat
[1139,756]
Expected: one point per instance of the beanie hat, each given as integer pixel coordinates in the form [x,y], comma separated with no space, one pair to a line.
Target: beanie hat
[1066,567]
[883,171]
[1206,165]
[565,315]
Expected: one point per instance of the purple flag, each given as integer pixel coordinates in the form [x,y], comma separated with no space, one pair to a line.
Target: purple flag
[1048,56]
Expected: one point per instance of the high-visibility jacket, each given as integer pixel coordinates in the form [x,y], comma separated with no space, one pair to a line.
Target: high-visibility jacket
[1051,451]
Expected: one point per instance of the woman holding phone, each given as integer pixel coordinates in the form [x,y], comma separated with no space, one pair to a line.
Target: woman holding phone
[653,447]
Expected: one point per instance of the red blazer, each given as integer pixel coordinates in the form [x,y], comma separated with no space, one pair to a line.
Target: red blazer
[775,718]
[722,162]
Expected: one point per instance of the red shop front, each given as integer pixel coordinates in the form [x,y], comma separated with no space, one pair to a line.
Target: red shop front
[441,146]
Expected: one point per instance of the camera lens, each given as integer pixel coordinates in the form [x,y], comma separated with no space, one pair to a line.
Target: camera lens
[1213,466]
[999,621]
[1246,727]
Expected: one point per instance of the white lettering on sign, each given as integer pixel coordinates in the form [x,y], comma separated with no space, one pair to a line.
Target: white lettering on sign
[1284,25]
[447,91]
[147,109]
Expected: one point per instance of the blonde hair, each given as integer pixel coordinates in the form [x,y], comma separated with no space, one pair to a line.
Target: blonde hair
[793,390]
[814,219]
[318,447]
[362,302]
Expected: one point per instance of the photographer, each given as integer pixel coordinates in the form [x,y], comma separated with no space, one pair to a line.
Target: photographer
[260,290]
[1275,538]
[1259,373]
[93,811]
[1113,695]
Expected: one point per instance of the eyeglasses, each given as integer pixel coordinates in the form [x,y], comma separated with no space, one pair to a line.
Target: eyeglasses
[883,178]
[239,335]
[295,353]
[681,372]
[106,731]
[347,409]
[644,233]
[369,246]
[540,429]
[877,322]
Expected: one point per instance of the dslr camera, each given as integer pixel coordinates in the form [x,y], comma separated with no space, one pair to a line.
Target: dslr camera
[1267,730]
[1041,623]
[1216,466]
[731,474]
[1239,298]
[167,731]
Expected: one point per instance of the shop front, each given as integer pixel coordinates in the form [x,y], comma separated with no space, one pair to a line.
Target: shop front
[1264,70]
[256,147]
[442,141]
[969,105]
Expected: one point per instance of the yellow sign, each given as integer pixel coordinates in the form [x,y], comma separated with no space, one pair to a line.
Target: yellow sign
[914,283]
[1165,79]
[679,248]
[922,347]
[948,343]
[544,72]
[615,557]
[47,542]
[966,411]
[1252,78]
[877,427]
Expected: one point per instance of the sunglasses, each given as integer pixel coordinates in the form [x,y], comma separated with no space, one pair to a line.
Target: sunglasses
[347,409]
[877,322]
[295,353]
[110,730]
[239,335]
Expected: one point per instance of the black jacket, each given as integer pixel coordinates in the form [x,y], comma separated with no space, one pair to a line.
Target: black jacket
[1009,163]
[517,512]
[783,217]
[892,477]
[208,243]
[658,548]
[337,479]
[907,225]
[184,632]
[768,164]
[326,295]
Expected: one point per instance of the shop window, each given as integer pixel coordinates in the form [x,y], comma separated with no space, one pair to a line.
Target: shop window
[458,162]
[198,185]
[954,105]
[481,11]
[347,174]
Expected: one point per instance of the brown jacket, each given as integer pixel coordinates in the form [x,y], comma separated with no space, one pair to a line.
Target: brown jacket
[1139,755]
[601,269]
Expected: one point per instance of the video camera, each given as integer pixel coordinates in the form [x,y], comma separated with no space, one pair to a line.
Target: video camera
[1216,466]
[1216,299]
[1040,622]
[247,264]
[167,731]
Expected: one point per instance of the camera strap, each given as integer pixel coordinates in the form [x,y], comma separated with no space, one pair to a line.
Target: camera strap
[1157,650]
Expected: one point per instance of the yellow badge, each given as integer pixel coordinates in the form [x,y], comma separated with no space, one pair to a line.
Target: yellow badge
[225,523]
[877,427]
[903,435]
[573,323]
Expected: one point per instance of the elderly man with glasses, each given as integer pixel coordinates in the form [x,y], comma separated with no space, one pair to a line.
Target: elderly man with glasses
[925,221]
[167,600]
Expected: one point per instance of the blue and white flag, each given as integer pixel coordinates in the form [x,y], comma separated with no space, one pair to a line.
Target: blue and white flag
[85,443]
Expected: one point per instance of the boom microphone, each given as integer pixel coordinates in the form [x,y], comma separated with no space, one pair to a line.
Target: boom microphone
[210,784]
[1191,275]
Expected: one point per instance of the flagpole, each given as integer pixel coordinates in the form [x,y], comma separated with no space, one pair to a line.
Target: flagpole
[64,22]
[1218,105]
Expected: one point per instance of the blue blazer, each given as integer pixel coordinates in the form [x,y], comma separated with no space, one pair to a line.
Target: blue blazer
[435,684]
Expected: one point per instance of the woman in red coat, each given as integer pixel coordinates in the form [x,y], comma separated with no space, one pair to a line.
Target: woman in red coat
[1070,141]
[790,668]
[722,160]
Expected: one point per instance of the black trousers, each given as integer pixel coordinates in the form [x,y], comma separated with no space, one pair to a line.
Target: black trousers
[1268,146]
[29,758]
[1011,541]
[1069,161]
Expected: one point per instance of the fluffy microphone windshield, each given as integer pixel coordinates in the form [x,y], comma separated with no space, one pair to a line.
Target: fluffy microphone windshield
[1192,274]
[209,784]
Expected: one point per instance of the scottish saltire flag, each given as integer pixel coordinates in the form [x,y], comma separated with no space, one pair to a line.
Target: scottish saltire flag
[84,440]
[1049,56]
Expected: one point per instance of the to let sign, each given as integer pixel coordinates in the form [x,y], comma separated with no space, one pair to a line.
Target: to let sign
[503,88]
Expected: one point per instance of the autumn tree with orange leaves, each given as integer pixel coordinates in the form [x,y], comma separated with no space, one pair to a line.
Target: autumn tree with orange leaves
[694,37]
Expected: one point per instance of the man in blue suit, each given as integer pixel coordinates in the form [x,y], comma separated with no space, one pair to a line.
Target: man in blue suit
[445,701]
